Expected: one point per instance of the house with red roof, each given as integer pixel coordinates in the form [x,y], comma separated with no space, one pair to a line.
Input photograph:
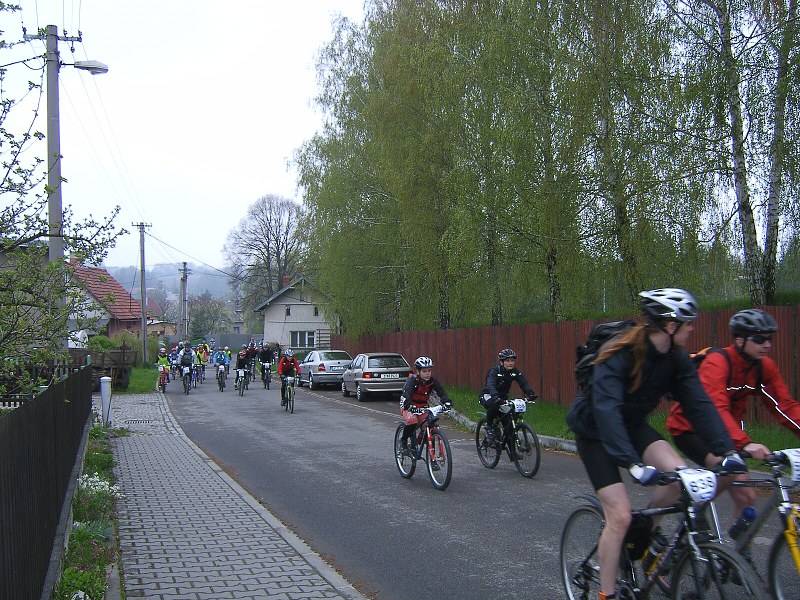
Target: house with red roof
[116,308]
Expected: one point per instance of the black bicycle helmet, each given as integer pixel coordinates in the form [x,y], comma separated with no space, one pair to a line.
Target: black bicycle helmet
[423,362]
[751,322]
[506,353]
[669,304]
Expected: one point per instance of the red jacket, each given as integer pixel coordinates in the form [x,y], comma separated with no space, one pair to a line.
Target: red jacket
[286,365]
[730,388]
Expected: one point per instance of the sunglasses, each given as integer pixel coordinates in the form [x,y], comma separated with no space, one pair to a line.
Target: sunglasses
[760,339]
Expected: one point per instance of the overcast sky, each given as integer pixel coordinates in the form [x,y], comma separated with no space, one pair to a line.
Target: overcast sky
[203,106]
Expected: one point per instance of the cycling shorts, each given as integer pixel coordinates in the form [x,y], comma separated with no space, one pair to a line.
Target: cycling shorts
[601,468]
[693,446]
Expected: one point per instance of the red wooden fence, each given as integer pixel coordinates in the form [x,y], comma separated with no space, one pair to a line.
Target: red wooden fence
[547,350]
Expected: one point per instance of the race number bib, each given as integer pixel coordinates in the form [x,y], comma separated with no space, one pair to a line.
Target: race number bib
[793,455]
[519,406]
[700,483]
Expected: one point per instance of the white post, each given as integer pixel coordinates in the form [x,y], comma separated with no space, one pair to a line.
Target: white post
[105,395]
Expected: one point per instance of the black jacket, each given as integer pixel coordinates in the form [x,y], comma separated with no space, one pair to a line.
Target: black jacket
[612,411]
[498,382]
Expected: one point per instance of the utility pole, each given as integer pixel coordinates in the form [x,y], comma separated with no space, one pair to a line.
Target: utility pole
[184,303]
[143,289]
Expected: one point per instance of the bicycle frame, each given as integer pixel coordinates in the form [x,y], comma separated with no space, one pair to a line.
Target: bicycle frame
[423,434]
[779,499]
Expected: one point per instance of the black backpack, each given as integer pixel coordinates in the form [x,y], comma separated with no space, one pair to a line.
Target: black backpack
[186,359]
[585,354]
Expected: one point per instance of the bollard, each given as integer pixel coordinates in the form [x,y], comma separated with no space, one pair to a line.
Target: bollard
[105,395]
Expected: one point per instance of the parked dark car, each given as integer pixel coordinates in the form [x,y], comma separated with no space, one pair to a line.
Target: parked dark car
[374,372]
[323,367]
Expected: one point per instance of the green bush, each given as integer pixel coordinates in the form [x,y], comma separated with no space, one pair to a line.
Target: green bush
[101,343]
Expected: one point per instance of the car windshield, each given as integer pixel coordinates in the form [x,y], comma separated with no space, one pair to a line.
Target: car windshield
[387,362]
[336,355]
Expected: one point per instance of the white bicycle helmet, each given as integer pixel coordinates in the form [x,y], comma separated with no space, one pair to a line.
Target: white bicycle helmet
[669,304]
[423,362]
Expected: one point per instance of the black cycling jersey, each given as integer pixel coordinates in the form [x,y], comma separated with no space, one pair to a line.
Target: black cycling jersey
[499,380]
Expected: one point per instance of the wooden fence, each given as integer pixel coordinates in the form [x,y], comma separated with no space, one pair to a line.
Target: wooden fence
[547,350]
[40,445]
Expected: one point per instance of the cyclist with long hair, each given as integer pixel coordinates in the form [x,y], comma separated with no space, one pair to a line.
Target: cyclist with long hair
[632,372]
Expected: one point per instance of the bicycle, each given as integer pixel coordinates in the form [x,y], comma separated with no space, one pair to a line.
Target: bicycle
[516,437]
[187,379]
[222,374]
[242,380]
[288,402]
[703,568]
[266,375]
[428,443]
[783,564]
[163,378]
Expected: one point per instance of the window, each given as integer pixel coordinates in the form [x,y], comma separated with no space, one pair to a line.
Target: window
[288,310]
[316,311]
[302,339]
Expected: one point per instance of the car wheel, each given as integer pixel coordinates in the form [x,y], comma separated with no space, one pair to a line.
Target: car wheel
[345,393]
[361,395]
[311,384]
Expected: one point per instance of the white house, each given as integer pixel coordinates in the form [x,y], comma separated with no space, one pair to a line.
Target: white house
[293,317]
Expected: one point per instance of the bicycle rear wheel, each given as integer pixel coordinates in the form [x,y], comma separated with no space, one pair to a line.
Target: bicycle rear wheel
[488,454]
[580,565]
[784,579]
[439,461]
[718,573]
[405,464]
[527,453]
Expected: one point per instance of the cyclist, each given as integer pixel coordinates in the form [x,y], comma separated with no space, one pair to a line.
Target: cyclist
[498,384]
[242,362]
[265,357]
[730,377]
[163,361]
[227,351]
[631,374]
[186,356]
[287,366]
[220,358]
[415,395]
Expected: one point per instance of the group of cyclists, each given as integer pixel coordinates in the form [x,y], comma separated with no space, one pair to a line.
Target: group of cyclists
[632,372]
[197,357]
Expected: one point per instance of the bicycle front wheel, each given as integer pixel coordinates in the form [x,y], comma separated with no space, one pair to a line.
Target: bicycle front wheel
[440,464]
[405,464]
[186,384]
[527,453]
[489,455]
[580,564]
[784,577]
[290,399]
[241,386]
[718,573]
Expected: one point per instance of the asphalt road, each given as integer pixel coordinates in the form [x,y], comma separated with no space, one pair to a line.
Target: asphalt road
[327,472]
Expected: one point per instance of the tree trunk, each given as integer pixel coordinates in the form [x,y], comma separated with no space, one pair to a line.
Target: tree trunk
[752,251]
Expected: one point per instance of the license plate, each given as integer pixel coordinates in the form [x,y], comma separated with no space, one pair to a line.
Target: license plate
[390,376]
[337,368]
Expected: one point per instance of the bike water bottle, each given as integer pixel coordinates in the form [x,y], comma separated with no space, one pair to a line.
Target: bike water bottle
[743,522]
[655,550]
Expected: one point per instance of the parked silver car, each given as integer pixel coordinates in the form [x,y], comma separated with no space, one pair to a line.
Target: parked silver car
[323,366]
[374,372]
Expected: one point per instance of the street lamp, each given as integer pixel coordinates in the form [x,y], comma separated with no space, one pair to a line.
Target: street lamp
[55,244]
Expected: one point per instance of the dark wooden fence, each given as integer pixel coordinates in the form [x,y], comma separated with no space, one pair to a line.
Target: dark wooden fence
[547,350]
[40,444]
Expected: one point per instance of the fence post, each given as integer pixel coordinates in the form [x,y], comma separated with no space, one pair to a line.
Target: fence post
[105,395]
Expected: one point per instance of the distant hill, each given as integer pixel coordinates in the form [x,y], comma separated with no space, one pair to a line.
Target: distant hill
[167,276]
